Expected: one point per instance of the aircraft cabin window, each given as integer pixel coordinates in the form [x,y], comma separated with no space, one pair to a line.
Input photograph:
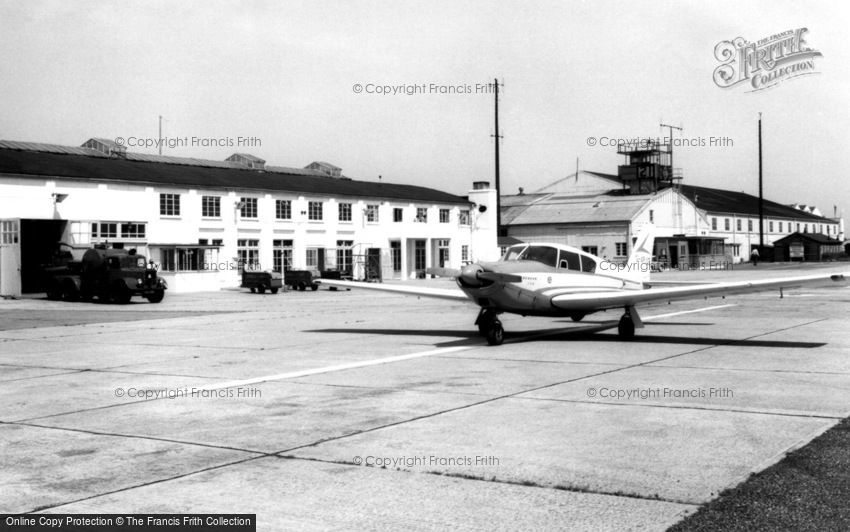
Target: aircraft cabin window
[571,259]
[588,264]
[545,254]
[513,253]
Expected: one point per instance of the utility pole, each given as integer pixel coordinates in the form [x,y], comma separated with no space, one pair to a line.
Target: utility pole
[761,199]
[160,135]
[498,187]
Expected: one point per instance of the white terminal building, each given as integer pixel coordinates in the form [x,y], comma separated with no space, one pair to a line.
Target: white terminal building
[696,227]
[200,221]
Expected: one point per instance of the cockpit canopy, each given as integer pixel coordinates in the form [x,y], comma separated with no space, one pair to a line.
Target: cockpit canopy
[552,256]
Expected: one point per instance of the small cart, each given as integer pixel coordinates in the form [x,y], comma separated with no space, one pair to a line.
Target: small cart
[261,281]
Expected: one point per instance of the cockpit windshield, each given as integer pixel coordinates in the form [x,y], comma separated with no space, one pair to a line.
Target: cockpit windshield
[514,252]
[547,255]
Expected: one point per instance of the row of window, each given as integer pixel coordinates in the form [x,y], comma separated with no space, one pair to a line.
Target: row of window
[204,258]
[104,230]
[727,224]
[169,205]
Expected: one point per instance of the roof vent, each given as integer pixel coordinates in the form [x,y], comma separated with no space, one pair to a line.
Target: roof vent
[248,160]
[326,168]
[107,147]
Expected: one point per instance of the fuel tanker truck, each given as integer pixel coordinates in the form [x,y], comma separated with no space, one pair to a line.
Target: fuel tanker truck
[111,275]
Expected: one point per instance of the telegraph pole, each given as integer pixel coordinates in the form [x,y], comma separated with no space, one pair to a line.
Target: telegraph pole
[498,187]
[761,199]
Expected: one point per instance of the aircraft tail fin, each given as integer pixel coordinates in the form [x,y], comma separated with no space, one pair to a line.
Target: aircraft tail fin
[640,260]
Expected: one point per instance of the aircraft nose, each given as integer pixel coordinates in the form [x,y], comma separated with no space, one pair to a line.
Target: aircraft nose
[469,274]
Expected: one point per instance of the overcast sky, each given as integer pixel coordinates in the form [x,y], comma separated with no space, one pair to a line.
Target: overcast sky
[285,73]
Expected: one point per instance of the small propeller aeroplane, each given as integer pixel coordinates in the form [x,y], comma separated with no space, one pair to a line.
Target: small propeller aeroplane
[538,279]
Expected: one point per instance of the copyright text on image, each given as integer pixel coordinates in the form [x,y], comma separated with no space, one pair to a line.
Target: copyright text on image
[186,392]
[413,89]
[659,392]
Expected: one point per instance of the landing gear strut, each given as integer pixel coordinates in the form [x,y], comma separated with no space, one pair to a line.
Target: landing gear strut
[490,327]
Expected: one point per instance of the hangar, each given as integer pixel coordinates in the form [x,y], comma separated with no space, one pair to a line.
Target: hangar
[697,227]
[201,220]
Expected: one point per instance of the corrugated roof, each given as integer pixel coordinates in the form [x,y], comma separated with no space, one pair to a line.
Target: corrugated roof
[91,166]
[725,201]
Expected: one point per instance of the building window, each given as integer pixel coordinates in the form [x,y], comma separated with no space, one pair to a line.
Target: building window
[651,216]
[9,231]
[798,227]
[750,226]
[184,259]
[211,207]
[463,218]
[464,252]
[398,214]
[169,204]
[312,259]
[344,212]
[621,249]
[283,209]
[249,208]
[104,230]
[780,227]
[248,251]
[738,224]
[282,255]
[714,224]
[593,250]
[770,227]
[444,216]
[806,228]
[726,224]
[314,211]
[132,230]
[344,255]
[372,213]
[422,214]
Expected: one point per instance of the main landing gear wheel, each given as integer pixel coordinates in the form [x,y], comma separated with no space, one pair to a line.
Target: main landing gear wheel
[495,333]
[626,328]
[490,327]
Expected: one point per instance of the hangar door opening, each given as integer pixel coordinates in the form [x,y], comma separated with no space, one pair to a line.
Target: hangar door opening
[38,244]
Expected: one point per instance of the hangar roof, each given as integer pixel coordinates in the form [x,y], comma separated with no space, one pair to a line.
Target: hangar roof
[725,201]
[88,164]
[553,208]
[814,237]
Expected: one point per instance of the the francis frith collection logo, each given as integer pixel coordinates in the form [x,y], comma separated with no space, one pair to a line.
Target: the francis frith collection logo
[765,63]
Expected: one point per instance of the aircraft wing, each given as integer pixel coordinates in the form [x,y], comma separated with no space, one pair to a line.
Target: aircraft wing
[423,291]
[623,298]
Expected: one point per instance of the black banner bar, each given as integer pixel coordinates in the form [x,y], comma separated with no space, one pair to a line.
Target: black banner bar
[129,522]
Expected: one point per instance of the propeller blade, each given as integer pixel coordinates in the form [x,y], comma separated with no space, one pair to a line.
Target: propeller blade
[500,277]
[443,272]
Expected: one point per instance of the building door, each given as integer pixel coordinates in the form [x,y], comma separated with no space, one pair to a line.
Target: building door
[373,265]
[39,241]
[443,253]
[674,256]
[419,257]
[10,258]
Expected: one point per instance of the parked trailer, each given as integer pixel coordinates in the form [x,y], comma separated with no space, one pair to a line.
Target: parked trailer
[299,280]
[261,281]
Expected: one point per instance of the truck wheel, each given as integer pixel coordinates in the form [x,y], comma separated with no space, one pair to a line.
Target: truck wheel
[274,290]
[69,291]
[253,290]
[261,289]
[314,287]
[156,297]
[120,293]
[302,286]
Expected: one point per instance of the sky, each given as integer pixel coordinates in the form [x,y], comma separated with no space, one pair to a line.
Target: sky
[297,82]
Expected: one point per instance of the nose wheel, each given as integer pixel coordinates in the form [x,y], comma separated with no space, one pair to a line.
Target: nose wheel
[490,327]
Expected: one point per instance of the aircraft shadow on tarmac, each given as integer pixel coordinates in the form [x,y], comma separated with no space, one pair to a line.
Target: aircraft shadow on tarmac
[586,332]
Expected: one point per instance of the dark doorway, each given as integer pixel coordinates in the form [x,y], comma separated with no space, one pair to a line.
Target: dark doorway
[39,240]
[674,255]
